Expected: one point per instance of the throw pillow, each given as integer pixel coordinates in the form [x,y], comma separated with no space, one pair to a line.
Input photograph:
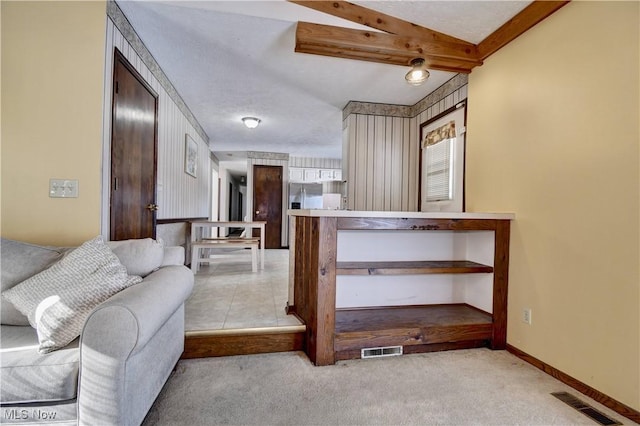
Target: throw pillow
[140,257]
[20,261]
[58,300]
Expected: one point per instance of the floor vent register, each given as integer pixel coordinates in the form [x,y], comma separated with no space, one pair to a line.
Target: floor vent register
[597,416]
[380,352]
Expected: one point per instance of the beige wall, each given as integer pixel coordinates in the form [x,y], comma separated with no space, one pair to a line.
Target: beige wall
[52,82]
[553,135]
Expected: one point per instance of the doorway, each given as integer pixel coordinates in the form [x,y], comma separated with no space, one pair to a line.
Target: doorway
[133,154]
[267,202]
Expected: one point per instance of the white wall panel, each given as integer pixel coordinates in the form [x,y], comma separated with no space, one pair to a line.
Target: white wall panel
[414,164]
[378,163]
[361,162]
[397,136]
[351,160]
[388,161]
[179,195]
[370,162]
[404,171]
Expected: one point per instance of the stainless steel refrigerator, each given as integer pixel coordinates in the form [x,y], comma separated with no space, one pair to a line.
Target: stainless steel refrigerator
[305,195]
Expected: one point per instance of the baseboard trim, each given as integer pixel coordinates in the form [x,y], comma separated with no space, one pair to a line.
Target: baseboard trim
[607,401]
[247,331]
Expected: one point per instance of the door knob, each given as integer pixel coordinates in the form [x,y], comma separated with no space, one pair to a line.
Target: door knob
[152,207]
[257,211]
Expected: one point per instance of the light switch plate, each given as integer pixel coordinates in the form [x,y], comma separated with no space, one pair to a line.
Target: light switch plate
[63,188]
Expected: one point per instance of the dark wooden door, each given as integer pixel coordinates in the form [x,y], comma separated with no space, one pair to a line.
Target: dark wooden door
[133,154]
[267,202]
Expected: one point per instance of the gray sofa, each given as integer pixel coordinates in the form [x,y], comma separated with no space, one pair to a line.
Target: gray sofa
[127,348]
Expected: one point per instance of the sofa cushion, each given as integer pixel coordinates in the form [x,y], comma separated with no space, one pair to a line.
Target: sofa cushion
[21,261]
[28,376]
[141,256]
[59,299]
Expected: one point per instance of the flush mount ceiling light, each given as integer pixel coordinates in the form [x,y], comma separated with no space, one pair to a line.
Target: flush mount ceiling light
[251,122]
[418,73]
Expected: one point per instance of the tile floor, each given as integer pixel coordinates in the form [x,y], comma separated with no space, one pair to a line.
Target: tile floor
[227,295]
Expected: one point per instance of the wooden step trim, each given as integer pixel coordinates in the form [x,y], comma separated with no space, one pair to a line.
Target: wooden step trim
[245,331]
[606,400]
[214,343]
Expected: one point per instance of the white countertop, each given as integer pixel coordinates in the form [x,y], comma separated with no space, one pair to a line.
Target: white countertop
[403,215]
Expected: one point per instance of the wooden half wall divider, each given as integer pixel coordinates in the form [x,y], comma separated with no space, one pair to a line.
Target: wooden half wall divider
[335,332]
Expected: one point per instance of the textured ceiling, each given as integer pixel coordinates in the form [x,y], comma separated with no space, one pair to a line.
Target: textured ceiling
[230,59]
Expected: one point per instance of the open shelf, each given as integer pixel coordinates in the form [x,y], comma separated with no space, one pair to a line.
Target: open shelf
[411,267]
[320,255]
[410,325]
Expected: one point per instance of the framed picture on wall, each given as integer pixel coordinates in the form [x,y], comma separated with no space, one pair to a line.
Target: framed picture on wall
[190,156]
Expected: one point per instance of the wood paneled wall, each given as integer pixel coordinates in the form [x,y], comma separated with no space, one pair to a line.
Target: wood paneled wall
[440,106]
[381,167]
[179,195]
[381,153]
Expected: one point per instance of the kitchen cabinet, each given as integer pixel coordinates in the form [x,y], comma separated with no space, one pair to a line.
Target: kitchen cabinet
[312,175]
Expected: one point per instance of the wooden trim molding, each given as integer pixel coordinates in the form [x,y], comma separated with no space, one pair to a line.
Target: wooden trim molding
[592,393]
[214,343]
[514,27]
[379,21]
[379,47]
[397,42]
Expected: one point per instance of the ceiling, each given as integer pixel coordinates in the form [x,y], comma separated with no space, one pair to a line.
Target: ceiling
[230,59]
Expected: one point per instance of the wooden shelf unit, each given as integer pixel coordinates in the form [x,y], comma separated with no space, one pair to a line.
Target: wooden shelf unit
[409,326]
[412,267]
[334,334]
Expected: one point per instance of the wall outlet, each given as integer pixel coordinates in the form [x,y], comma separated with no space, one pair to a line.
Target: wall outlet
[63,188]
[526,316]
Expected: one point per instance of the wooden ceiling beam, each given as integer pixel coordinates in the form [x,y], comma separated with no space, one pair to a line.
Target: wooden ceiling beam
[514,27]
[381,58]
[401,41]
[386,48]
[379,21]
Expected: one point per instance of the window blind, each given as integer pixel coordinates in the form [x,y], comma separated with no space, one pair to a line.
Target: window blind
[439,176]
[439,144]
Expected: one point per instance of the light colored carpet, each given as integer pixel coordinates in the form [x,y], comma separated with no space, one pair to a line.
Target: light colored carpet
[466,387]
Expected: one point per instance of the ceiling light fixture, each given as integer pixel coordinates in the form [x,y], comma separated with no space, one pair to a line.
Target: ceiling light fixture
[418,73]
[251,122]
